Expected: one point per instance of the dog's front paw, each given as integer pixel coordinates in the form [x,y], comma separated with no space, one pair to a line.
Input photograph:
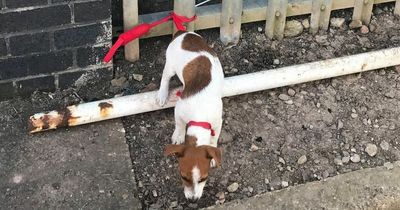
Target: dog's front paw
[162,97]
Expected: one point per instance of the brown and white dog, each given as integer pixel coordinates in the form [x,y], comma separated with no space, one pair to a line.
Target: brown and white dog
[198,112]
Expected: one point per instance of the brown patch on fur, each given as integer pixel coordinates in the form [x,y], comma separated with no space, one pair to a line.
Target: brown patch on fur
[196,76]
[195,43]
[190,140]
[178,33]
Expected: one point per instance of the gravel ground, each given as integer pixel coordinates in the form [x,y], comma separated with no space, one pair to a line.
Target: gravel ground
[281,137]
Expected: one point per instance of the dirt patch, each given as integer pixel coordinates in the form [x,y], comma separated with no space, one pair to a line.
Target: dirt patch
[281,137]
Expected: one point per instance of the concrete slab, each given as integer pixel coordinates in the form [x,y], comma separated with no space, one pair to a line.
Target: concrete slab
[375,188]
[86,167]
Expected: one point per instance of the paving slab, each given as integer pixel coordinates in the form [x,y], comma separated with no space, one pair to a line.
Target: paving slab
[374,188]
[86,167]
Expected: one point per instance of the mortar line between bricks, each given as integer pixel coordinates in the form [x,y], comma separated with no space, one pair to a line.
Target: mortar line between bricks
[21,9]
[101,44]
[56,28]
[89,68]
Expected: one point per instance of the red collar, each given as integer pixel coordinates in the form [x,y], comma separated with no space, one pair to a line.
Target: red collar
[204,125]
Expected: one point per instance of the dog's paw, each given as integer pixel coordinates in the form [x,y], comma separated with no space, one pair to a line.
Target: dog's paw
[213,164]
[162,97]
[177,138]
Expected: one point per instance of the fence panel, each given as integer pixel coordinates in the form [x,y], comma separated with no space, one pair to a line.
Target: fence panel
[231,21]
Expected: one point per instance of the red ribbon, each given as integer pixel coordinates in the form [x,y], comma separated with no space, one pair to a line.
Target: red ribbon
[144,28]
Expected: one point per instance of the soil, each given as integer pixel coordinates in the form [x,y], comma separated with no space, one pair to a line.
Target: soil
[330,122]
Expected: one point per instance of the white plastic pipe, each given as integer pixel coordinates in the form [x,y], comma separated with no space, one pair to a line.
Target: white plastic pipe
[146,102]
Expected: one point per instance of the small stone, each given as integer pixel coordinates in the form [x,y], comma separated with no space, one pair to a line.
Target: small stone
[154,193]
[345,159]
[355,24]
[321,39]
[290,102]
[284,97]
[138,77]
[259,102]
[125,196]
[372,27]
[355,158]
[233,187]
[266,181]
[388,165]
[364,29]
[302,160]
[293,28]
[259,29]
[220,195]
[140,184]
[253,148]
[340,124]
[285,184]
[276,61]
[235,70]
[371,149]
[337,22]
[281,160]
[305,23]
[291,92]
[390,94]
[173,204]
[338,161]
[384,145]
[120,82]
[250,189]
[354,115]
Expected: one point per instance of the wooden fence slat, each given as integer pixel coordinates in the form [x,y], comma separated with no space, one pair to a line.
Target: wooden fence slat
[231,21]
[363,10]
[186,8]
[131,19]
[276,18]
[397,8]
[320,15]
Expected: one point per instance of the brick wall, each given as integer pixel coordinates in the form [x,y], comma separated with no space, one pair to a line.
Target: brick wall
[51,44]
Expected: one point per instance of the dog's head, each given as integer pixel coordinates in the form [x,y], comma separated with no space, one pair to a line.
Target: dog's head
[194,164]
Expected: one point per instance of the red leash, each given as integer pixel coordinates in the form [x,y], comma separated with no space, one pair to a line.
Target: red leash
[144,28]
[204,125]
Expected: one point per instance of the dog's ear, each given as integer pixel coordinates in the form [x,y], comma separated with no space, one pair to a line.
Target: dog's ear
[173,149]
[214,153]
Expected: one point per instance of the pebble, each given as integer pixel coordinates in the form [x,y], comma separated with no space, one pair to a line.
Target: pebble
[276,61]
[220,195]
[291,92]
[233,187]
[250,189]
[140,184]
[138,77]
[302,160]
[293,28]
[285,184]
[154,193]
[281,160]
[388,165]
[266,181]
[305,23]
[193,205]
[120,82]
[345,159]
[259,29]
[371,149]
[355,24]
[254,148]
[259,102]
[338,161]
[173,204]
[372,27]
[337,22]
[354,115]
[284,97]
[390,94]
[364,29]
[290,102]
[384,145]
[355,158]
[340,124]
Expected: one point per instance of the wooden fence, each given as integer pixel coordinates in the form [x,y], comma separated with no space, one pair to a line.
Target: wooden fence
[232,13]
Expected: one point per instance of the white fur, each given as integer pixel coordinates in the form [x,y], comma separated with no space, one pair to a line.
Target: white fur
[197,190]
[205,106]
